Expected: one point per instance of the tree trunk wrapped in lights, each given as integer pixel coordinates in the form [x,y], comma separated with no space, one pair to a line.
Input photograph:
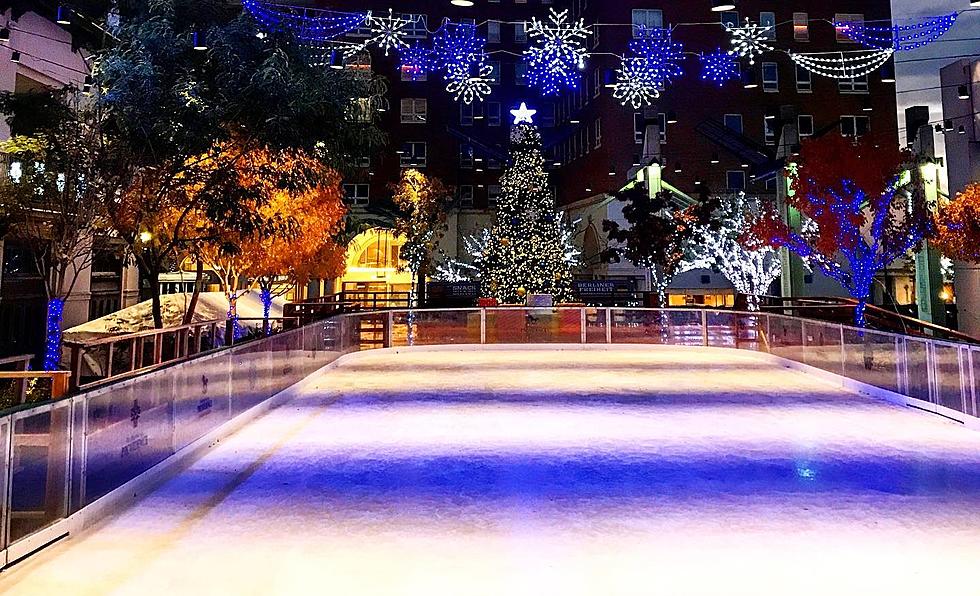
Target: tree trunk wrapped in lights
[865,212]
[751,270]
[529,249]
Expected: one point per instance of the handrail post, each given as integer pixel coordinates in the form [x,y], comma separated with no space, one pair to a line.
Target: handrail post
[608,325]
[108,366]
[582,320]
[76,366]
[157,349]
[483,326]
[389,326]
[59,385]
[704,327]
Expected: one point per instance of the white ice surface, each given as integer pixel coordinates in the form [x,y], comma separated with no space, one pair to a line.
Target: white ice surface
[665,471]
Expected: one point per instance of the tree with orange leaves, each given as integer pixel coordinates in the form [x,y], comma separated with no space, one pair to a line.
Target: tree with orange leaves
[298,244]
[861,212]
[958,226]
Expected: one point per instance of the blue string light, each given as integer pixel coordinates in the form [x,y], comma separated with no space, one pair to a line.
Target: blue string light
[719,67]
[323,25]
[52,345]
[901,38]
[655,61]
[415,62]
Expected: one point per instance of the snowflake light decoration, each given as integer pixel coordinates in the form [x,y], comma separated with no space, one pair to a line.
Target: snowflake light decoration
[559,53]
[416,62]
[468,86]
[635,85]
[750,40]
[456,45]
[655,62]
[719,67]
[462,54]
[388,33]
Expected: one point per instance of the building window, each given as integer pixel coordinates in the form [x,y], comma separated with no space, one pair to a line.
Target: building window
[729,18]
[734,122]
[770,77]
[801,26]
[357,194]
[596,82]
[466,195]
[493,195]
[414,155]
[646,18]
[855,126]
[520,73]
[414,110]
[465,114]
[662,117]
[845,18]
[855,85]
[493,31]
[493,113]
[804,80]
[735,179]
[597,134]
[769,128]
[639,128]
[768,19]
[417,27]
[466,157]
[547,112]
[805,125]
[520,32]
[495,72]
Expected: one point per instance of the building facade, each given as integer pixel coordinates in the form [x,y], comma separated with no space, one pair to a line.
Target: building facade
[719,138]
[961,115]
[39,55]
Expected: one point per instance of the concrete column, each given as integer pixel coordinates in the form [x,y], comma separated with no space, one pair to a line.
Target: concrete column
[928,269]
[963,163]
[792,281]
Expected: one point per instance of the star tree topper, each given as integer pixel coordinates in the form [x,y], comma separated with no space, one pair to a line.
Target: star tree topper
[523,114]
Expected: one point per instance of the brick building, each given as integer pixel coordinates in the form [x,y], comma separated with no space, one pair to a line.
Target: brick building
[717,138]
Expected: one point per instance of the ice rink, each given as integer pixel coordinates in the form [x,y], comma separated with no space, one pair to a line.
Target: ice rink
[654,471]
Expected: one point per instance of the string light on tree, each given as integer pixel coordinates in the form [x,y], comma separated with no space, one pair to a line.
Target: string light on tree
[388,33]
[719,68]
[529,249]
[900,38]
[559,53]
[750,40]
[838,65]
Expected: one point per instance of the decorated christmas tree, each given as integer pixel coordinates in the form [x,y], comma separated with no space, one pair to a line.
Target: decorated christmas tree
[529,249]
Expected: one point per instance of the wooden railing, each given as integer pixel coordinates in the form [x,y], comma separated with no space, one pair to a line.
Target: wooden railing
[316,309]
[112,358]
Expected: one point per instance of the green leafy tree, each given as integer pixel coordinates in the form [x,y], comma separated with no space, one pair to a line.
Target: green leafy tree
[659,233]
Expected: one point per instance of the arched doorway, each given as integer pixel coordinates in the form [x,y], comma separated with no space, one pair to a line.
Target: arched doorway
[374,264]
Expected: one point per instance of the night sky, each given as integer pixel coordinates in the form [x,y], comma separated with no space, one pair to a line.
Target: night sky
[962,41]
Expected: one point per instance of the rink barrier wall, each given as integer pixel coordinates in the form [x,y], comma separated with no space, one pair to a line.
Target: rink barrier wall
[66,465]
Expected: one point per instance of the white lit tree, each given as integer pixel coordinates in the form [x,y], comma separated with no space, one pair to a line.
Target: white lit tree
[529,249]
[750,270]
